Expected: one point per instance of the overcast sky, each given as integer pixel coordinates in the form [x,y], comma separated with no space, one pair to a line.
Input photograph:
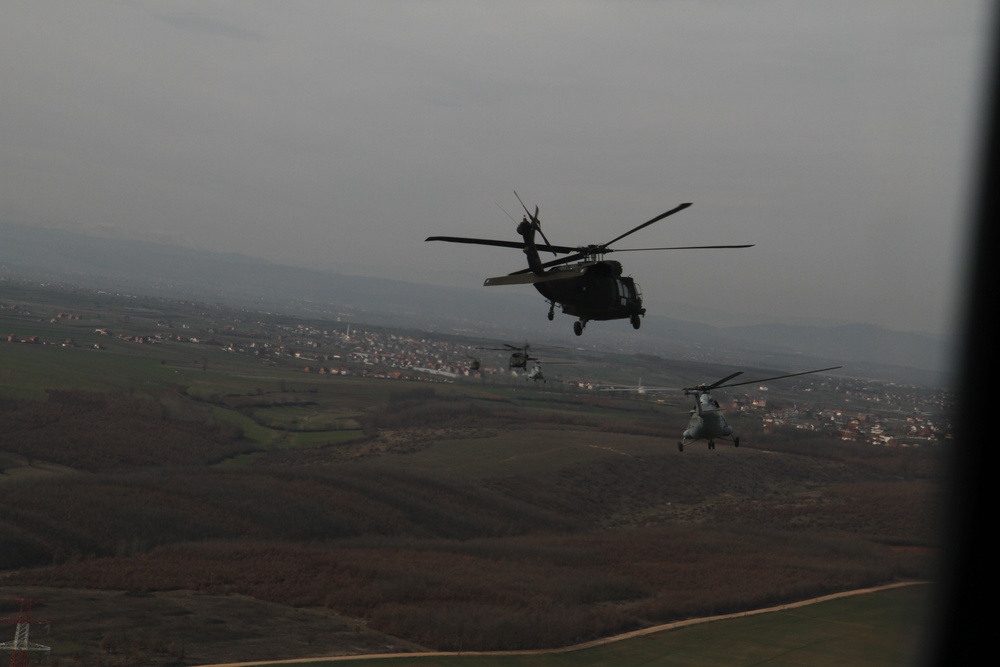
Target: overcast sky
[838,136]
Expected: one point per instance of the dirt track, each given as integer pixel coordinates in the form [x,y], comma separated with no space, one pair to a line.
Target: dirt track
[585,645]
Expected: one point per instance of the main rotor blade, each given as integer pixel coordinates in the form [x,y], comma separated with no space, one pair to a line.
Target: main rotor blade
[685,247]
[462,239]
[563,260]
[502,244]
[648,223]
[718,383]
[776,377]
[584,255]
[555,248]
[505,212]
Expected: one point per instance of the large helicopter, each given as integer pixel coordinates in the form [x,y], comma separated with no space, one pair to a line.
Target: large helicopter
[707,420]
[583,284]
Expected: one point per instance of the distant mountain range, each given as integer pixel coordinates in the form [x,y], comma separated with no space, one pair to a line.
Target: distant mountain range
[72,258]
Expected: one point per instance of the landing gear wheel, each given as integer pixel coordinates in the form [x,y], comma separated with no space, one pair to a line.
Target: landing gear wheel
[737,441]
[711,444]
[578,328]
[552,313]
[680,446]
[635,321]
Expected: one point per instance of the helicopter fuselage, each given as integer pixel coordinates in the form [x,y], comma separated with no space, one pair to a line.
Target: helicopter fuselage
[601,293]
[518,360]
[708,422]
[535,374]
[593,289]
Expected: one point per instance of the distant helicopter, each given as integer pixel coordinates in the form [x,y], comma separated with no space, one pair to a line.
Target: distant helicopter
[536,370]
[638,389]
[519,356]
[707,420]
[590,287]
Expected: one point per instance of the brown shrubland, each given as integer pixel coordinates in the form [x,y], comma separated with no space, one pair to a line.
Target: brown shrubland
[541,558]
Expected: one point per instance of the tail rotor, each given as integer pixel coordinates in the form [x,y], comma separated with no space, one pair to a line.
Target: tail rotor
[534,220]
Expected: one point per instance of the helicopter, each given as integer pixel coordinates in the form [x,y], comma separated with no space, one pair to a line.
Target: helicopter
[536,369]
[639,389]
[583,284]
[519,356]
[707,420]
[535,373]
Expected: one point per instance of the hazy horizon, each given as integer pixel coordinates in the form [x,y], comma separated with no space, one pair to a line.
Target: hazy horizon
[151,274]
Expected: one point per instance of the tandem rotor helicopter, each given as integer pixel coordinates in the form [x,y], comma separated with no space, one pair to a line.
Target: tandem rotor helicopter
[707,420]
[583,284]
[519,358]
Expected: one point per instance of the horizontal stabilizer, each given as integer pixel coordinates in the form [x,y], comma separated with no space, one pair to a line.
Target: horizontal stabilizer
[562,273]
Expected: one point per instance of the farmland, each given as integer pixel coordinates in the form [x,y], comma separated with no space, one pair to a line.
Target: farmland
[464,515]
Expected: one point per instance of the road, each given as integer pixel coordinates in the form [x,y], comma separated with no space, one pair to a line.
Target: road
[585,645]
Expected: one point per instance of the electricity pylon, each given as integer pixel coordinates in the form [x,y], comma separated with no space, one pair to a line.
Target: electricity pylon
[21,647]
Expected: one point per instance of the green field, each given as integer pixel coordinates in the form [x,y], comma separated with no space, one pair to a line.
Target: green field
[879,629]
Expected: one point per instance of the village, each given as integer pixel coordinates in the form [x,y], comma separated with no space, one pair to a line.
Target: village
[855,410]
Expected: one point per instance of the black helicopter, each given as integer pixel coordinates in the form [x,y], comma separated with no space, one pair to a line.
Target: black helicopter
[583,284]
[519,356]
